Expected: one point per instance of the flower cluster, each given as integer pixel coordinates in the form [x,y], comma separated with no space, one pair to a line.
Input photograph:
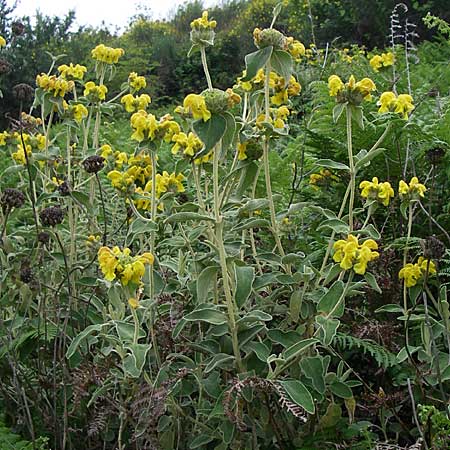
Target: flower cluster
[121,265]
[57,86]
[202,23]
[295,48]
[135,103]
[108,55]
[2,42]
[202,30]
[384,60]
[95,93]
[402,104]
[353,91]
[189,144]
[269,37]
[147,127]
[280,90]
[78,112]
[138,170]
[71,72]
[195,105]
[412,273]
[380,192]
[250,149]
[350,254]
[324,178]
[165,182]
[32,143]
[278,117]
[136,82]
[413,191]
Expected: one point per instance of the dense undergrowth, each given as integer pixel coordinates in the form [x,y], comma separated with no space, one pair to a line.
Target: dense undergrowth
[259,267]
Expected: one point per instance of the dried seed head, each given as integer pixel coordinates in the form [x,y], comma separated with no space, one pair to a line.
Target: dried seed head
[93,164]
[5,66]
[64,188]
[51,216]
[23,92]
[43,237]
[17,28]
[11,198]
[26,274]
[435,155]
[433,248]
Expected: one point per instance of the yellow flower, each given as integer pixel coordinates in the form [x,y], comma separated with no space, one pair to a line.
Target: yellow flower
[71,72]
[106,54]
[190,144]
[2,41]
[365,87]
[335,85]
[115,263]
[3,136]
[136,82]
[295,48]
[382,192]
[203,23]
[56,86]
[386,102]
[376,62]
[95,93]
[412,191]
[388,59]
[389,102]
[404,105]
[412,273]
[196,105]
[241,148]
[79,112]
[105,151]
[133,302]
[349,253]
[137,103]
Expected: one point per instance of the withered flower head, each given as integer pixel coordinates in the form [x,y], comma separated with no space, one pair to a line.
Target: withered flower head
[51,216]
[11,198]
[93,164]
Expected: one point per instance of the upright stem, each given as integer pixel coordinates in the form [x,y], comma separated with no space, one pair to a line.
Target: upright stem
[152,251]
[223,260]
[273,219]
[205,67]
[352,167]
[405,255]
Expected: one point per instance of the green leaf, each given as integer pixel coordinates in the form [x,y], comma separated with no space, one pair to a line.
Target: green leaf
[209,314]
[331,298]
[358,116]
[185,216]
[134,362]
[204,282]
[338,110]
[281,63]
[125,331]
[256,316]
[312,367]
[252,223]
[341,389]
[201,441]
[363,158]
[337,225]
[329,163]
[372,282]
[328,329]
[260,349]
[211,131]
[83,335]
[139,226]
[81,198]
[295,350]
[370,231]
[299,394]
[390,308]
[245,275]
[295,304]
[228,137]
[255,61]
[218,360]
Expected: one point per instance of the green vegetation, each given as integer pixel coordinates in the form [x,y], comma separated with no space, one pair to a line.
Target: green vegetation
[236,241]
